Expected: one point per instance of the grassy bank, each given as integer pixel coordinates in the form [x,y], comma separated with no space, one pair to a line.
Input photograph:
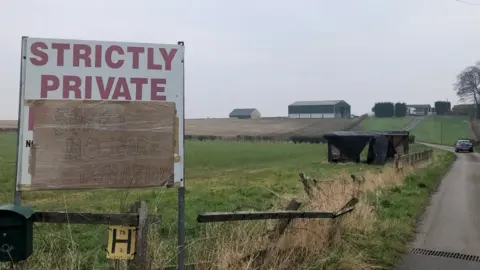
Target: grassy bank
[443,130]
[371,237]
[397,210]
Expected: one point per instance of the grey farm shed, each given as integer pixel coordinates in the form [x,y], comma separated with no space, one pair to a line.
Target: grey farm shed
[248,113]
[319,109]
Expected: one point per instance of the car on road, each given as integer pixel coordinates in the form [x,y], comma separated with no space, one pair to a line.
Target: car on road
[463,145]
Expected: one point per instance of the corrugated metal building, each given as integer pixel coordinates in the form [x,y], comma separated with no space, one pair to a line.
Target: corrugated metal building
[420,109]
[319,109]
[248,113]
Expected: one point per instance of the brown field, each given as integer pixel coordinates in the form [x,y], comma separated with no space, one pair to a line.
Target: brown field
[225,127]
[8,123]
[263,127]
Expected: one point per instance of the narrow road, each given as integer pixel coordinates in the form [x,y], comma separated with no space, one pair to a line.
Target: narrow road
[413,123]
[451,224]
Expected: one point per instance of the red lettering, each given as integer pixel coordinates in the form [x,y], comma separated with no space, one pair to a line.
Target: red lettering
[136,51]
[116,88]
[88,87]
[139,82]
[168,57]
[98,55]
[72,84]
[41,57]
[108,56]
[121,89]
[150,60]
[48,83]
[105,91]
[156,89]
[82,52]
[60,47]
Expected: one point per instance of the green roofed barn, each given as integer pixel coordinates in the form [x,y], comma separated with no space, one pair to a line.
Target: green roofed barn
[249,113]
[319,109]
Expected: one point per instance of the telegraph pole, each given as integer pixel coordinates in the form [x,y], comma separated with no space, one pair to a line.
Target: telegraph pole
[441,132]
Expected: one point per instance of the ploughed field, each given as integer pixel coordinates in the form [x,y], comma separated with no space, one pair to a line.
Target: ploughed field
[226,127]
[8,124]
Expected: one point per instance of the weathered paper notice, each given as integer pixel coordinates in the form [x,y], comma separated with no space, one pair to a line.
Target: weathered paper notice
[102,144]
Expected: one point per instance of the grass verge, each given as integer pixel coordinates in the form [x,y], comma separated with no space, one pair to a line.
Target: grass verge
[371,237]
[397,211]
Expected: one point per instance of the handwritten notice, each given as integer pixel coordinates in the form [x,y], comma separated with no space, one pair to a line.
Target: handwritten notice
[108,144]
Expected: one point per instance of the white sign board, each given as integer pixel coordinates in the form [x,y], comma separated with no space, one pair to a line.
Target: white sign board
[58,69]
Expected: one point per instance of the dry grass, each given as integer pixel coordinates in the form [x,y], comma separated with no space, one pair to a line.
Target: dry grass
[309,243]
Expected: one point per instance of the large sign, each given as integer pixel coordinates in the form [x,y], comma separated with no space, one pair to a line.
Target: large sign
[135,134]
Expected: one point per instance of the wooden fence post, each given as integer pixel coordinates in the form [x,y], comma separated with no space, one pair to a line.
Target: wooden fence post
[306,186]
[140,260]
[282,225]
[395,162]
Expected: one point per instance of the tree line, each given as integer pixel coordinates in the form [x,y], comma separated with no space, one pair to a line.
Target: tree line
[399,109]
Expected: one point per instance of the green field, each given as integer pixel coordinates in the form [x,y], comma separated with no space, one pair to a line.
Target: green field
[220,176]
[442,129]
[378,124]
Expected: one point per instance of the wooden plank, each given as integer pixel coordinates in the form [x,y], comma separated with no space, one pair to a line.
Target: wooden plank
[229,216]
[90,218]
[108,144]
[140,261]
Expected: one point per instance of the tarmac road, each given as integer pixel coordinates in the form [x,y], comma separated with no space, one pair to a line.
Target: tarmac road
[452,221]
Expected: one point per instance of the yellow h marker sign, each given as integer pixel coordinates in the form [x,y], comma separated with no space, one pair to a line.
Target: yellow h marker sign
[121,242]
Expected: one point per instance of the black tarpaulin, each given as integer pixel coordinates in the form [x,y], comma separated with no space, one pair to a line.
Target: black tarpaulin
[351,147]
[351,144]
[379,149]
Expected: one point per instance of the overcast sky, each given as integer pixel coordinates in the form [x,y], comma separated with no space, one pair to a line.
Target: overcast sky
[269,53]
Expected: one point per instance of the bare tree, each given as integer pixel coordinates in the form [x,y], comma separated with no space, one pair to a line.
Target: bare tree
[468,84]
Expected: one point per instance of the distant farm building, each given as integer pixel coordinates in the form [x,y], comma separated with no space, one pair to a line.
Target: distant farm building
[245,114]
[464,109]
[319,109]
[419,109]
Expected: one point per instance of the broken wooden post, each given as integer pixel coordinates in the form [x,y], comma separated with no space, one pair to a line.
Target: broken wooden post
[140,260]
[334,229]
[282,225]
[358,179]
[306,185]
[396,161]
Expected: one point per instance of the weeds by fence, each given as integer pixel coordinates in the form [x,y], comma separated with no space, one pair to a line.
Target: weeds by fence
[292,241]
[412,158]
[265,255]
